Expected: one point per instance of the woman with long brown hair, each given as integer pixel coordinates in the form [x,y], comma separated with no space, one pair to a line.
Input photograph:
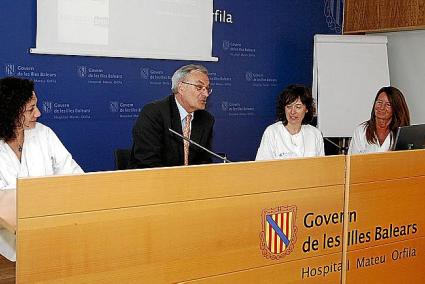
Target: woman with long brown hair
[389,112]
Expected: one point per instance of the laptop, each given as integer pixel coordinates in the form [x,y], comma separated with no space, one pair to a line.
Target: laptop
[410,137]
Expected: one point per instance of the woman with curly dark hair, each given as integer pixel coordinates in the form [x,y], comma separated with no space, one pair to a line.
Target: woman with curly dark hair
[291,136]
[27,148]
[389,112]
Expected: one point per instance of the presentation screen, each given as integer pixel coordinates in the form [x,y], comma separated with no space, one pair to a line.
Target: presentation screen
[163,29]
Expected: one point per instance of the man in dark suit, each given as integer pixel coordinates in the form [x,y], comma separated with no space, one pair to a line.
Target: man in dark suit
[183,111]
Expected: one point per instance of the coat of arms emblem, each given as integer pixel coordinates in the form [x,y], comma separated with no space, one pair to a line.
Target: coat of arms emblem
[279,232]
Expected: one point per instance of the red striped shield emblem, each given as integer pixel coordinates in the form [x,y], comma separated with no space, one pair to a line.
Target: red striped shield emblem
[278,231]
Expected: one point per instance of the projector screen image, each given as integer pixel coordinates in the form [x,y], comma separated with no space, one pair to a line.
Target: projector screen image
[174,29]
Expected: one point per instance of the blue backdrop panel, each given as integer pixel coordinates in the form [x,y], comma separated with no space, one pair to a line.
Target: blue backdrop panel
[93,102]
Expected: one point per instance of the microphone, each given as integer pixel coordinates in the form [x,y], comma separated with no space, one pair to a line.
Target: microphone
[224,159]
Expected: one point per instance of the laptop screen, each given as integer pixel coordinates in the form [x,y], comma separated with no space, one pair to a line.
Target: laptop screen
[410,137]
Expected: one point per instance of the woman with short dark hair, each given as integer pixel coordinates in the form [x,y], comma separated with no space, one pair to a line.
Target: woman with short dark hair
[27,148]
[377,134]
[291,136]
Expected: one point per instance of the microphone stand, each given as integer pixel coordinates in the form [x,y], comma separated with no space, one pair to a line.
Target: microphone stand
[342,149]
[224,159]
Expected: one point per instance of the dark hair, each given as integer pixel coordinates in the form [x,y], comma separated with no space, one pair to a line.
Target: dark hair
[14,94]
[290,95]
[400,116]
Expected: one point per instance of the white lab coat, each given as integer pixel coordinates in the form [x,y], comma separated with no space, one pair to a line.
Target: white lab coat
[278,143]
[43,154]
[359,144]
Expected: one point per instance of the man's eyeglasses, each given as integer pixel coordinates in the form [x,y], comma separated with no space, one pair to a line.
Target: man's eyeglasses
[200,88]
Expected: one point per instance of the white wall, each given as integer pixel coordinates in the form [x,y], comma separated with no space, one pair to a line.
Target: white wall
[406,55]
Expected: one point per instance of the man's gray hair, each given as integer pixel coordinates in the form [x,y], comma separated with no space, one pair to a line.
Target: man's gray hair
[182,72]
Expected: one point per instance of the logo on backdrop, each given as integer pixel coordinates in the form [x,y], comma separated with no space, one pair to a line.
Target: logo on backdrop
[82,71]
[238,49]
[225,106]
[9,69]
[278,231]
[30,72]
[260,79]
[237,109]
[218,80]
[226,44]
[248,76]
[47,107]
[95,75]
[113,106]
[155,76]
[144,73]
[333,13]
[124,109]
[65,111]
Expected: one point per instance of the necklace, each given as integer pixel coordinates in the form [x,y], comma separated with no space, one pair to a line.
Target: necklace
[16,145]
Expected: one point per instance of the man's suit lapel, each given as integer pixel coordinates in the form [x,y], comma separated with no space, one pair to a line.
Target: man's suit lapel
[176,125]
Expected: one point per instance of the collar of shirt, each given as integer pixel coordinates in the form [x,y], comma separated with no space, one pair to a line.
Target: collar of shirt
[183,113]
[2,145]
